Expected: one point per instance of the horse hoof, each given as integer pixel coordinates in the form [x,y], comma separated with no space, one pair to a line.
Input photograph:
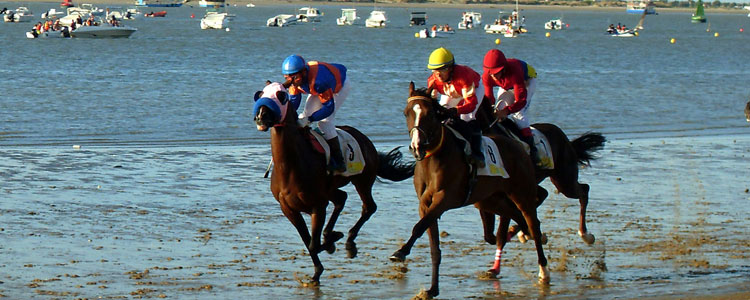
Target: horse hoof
[424,295]
[587,238]
[311,283]
[330,248]
[351,250]
[492,273]
[398,256]
[490,240]
[544,277]
[522,237]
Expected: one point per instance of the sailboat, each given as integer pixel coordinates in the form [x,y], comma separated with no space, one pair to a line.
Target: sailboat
[516,24]
[698,16]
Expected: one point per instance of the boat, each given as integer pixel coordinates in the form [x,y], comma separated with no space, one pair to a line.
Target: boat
[250,5]
[555,24]
[508,26]
[21,14]
[348,16]
[85,9]
[417,18]
[699,15]
[103,31]
[309,14]
[211,3]
[52,14]
[34,34]
[158,3]
[470,20]
[158,14]
[215,19]
[377,19]
[430,33]
[281,20]
[640,7]
[620,31]
[66,3]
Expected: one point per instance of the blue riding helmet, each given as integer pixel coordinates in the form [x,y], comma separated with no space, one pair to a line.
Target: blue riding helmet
[293,64]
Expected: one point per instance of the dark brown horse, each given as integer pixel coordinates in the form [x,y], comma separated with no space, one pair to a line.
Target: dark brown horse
[300,182]
[567,156]
[442,182]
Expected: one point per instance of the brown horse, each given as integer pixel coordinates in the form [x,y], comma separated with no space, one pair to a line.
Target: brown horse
[300,182]
[442,182]
[567,156]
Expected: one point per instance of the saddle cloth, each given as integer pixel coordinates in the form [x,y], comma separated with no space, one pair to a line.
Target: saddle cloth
[543,147]
[493,163]
[353,158]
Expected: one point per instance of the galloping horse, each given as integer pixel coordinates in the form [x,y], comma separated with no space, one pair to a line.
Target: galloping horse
[300,182]
[442,182]
[567,157]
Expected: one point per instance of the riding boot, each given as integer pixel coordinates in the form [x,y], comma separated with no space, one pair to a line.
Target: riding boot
[476,149]
[337,163]
[533,153]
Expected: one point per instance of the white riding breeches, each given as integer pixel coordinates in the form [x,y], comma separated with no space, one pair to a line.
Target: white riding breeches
[448,102]
[507,98]
[327,125]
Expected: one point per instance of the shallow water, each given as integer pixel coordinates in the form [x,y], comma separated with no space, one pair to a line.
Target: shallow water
[168,178]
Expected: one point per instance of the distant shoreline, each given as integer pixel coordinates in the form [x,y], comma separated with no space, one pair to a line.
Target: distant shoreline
[422,5]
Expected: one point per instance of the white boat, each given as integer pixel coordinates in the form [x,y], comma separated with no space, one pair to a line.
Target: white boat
[59,34]
[640,7]
[250,5]
[377,19]
[508,26]
[556,24]
[103,31]
[86,9]
[470,20]
[211,3]
[214,19]
[428,33]
[21,14]
[309,14]
[51,14]
[348,16]
[281,20]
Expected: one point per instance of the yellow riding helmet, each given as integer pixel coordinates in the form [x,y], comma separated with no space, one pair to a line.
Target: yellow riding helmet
[439,58]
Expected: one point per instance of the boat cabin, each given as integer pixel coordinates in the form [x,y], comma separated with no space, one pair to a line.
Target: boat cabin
[418,18]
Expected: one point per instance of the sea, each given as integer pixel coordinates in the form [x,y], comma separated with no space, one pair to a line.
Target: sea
[132,167]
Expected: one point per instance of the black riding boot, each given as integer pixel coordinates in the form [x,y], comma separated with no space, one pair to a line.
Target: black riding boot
[533,153]
[477,152]
[337,163]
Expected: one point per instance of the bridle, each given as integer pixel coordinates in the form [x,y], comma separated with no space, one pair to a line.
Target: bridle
[419,130]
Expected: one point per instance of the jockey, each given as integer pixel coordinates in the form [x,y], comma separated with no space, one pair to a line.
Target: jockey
[461,93]
[328,88]
[519,76]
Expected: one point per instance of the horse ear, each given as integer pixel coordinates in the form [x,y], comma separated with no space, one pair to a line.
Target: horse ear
[257,95]
[282,96]
[411,88]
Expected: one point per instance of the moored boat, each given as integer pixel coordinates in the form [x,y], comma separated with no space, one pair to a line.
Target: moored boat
[377,19]
[348,16]
[281,20]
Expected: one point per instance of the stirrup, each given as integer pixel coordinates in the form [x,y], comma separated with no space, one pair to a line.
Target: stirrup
[338,168]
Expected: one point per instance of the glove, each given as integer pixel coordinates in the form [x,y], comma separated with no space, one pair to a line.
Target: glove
[452,112]
[303,122]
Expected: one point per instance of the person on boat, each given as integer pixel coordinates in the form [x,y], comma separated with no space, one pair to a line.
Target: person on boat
[519,76]
[328,88]
[461,93]
[57,25]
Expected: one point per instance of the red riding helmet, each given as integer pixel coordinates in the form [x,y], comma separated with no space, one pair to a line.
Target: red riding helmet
[494,61]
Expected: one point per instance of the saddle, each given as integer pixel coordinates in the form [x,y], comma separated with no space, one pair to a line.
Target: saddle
[353,157]
[509,128]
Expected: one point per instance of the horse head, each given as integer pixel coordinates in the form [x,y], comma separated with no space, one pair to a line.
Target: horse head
[424,116]
[271,106]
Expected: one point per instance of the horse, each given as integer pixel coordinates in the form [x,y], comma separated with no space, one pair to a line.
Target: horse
[301,184]
[443,181]
[567,155]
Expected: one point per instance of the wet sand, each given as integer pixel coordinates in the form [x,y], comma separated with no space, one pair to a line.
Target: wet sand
[669,215]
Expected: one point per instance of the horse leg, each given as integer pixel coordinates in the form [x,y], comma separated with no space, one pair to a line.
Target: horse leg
[488,224]
[329,236]
[368,209]
[299,223]
[428,217]
[436,255]
[502,239]
[573,189]
[523,232]
[530,216]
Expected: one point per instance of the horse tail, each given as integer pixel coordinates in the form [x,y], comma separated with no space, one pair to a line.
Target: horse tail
[586,145]
[392,167]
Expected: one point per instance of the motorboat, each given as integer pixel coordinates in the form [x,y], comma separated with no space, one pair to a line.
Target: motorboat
[348,16]
[64,33]
[507,25]
[429,33]
[211,3]
[214,19]
[51,14]
[620,31]
[103,31]
[641,7]
[555,24]
[417,18]
[470,20]
[86,9]
[158,3]
[158,14]
[377,19]
[309,14]
[21,14]
[281,20]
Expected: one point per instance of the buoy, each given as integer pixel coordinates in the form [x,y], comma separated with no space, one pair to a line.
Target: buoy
[672,40]
[716,34]
[416,34]
[742,30]
[227,29]
[635,33]
[497,41]
[192,16]
[76,146]
[547,34]
[567,25]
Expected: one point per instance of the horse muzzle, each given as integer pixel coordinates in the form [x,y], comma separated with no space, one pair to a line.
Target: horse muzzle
[417,152]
